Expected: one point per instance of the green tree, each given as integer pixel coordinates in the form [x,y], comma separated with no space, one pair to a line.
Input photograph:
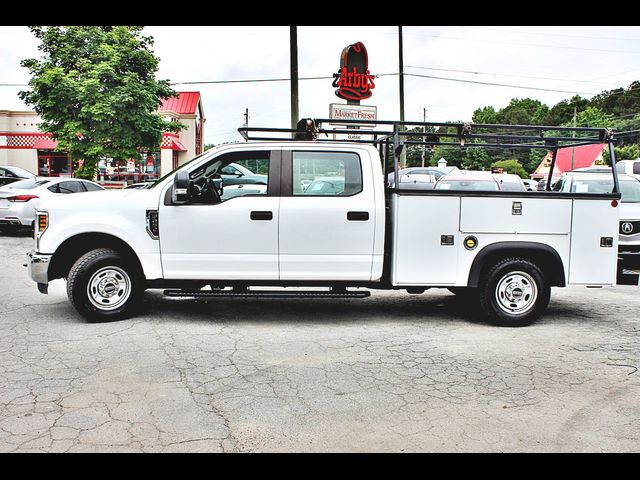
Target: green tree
[562,112]
[620,101]
[525,111]
[96,91]
[511,166]
[628,152]
[592,117]
[485,115]
[208,146]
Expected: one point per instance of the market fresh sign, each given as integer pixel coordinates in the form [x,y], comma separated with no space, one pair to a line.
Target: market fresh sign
[338,112]
[353,81]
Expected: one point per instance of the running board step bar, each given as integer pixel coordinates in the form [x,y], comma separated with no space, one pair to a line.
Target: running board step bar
[266,294]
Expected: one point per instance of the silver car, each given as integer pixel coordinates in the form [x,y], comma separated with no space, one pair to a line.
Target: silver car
[19,200]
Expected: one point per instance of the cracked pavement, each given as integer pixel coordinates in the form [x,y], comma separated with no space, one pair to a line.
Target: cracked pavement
[393,372]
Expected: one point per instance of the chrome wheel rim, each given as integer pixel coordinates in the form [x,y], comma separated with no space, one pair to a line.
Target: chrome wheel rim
[516,293]
[109,288]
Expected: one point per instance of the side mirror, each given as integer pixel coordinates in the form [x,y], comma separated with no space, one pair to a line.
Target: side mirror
[181,192]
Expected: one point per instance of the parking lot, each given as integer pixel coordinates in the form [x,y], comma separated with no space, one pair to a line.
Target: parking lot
[393,372]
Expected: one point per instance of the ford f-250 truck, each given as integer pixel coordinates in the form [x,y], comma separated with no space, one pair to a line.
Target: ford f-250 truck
[327,219]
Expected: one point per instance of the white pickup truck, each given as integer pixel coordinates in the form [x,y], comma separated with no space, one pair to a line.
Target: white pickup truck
[326,219]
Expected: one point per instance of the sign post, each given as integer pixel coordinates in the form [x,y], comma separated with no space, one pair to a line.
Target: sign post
[354,83]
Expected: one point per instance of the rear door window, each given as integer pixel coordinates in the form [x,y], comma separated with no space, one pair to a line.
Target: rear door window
[334,174]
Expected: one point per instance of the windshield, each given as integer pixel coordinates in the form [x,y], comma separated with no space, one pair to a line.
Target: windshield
[26,184]
[22,172]
[630,190]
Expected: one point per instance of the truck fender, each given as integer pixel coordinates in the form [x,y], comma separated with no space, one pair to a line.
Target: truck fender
[545,256]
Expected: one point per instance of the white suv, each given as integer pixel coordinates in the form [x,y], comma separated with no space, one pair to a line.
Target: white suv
[629,230]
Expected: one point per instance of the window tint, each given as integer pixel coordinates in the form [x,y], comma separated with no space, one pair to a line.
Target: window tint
[91,187]
[254,179]
[636,167]
[70,187]
[3,172]
[326,173]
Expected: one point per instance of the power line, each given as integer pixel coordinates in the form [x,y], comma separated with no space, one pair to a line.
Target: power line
[600,78]
[496,84]
[253,80]
[502,74]
[545,34]
[523,44]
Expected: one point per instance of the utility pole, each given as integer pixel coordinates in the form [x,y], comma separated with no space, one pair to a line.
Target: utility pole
[293,35]
[246,117]
[403,156]
[424,130]
[573,149]
[401,77]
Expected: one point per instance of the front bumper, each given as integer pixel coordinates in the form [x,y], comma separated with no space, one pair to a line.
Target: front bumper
[38,265]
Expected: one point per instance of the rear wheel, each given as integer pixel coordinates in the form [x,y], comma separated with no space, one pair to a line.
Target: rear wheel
[103,286]
[514,292]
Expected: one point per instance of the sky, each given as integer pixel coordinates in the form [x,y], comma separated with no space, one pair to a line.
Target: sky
[572,59]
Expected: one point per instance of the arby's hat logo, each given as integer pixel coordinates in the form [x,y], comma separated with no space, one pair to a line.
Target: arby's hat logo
[353,81]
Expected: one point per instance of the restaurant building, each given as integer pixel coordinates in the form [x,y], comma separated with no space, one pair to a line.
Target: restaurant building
[23,145]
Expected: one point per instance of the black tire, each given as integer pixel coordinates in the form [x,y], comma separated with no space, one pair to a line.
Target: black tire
[513,292]
[103,286]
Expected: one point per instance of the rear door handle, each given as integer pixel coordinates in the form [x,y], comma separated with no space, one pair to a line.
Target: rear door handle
[357,216]
[261,215]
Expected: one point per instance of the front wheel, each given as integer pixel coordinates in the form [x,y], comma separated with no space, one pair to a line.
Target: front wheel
[514,292]
[103,286]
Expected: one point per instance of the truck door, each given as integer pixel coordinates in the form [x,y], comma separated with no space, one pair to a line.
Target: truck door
[235,239]
[327,216]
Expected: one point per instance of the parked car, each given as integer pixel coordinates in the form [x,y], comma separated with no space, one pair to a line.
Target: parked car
[417,181]
[19,200]
[542,183]
[10,174]
[234,174]
[530,185]
[629,232]
[594,169]
[325,186]
[509,182]
[435,171]
[122,173]
[140,185]
[467,182]
[629,167]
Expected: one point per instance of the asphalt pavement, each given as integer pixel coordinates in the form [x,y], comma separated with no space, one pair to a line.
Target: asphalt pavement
[390,373]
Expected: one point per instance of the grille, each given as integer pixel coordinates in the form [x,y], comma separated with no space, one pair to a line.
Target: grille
[635,227]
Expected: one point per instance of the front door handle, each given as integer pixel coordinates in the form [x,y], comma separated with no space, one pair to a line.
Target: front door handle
[261,215]
[357,216]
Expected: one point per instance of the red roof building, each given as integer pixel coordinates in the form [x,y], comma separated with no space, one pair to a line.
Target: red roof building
[569,158]
[23,145]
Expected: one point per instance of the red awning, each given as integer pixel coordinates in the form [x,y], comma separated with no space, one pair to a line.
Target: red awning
[45,144]
[176,145]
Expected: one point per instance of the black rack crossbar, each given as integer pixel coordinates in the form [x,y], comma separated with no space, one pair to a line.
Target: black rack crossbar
[391,141]
[495,132]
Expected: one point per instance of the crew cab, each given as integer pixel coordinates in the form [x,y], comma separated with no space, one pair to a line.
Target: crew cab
[501,249]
